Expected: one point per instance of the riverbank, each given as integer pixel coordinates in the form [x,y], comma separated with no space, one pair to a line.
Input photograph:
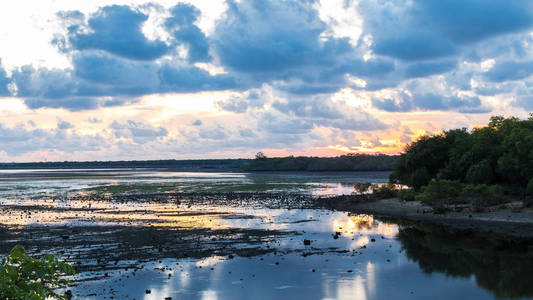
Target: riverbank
[498,220]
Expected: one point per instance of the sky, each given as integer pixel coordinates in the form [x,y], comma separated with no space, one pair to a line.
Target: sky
[122,80]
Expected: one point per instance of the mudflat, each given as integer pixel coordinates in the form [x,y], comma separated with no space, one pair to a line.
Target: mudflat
[495,220]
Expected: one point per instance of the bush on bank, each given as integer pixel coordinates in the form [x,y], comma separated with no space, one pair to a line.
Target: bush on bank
[23,277]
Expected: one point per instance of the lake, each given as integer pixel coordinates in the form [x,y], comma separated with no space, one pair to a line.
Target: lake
[149,234]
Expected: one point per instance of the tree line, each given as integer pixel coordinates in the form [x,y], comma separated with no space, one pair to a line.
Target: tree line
[350,162]
[498,154]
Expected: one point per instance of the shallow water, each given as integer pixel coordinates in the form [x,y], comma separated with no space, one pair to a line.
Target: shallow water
[366,261]
[17,183]
[246,251]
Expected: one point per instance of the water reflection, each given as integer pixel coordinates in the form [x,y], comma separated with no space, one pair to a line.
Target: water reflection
[348,256]
[500,265]
[17,183]
[386,268]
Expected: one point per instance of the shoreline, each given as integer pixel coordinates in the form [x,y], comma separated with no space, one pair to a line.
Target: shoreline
[500,221]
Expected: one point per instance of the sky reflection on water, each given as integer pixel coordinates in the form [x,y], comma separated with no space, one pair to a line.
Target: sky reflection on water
[343,269]
[353,256]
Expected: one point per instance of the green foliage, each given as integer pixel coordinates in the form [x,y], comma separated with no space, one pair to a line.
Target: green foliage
[500,153]
[407,194]
[420,177]
[362,187]
[22,277]
[480,173]
[441,192]
[384,191]
[421,161]
[482,195]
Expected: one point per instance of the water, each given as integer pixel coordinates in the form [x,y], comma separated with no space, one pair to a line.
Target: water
[51,182]
[157,249]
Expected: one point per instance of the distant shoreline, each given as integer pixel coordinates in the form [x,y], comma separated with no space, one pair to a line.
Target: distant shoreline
[358,162]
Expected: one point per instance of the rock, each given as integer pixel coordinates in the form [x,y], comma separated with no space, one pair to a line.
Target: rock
[148,291]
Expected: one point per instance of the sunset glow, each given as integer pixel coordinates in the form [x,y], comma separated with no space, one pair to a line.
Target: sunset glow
[224,79]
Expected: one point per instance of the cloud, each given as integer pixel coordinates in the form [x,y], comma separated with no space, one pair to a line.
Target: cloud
[181,26]
[94,120]
[284,41]
[525,102]
[138,132]
[415,47]
[424,69]
[186,79]
[96,77]
[116,29]
[113,76]
[63,125]
[320,111]
[405,102]
[19,140]
[509,70]
[213,133]
[258,36]
[4,81]
[422,29]
[473,20]
[239,104]
[277,123]
[247,133]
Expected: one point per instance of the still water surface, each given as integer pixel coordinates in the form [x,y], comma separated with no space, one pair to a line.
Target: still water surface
[349,256]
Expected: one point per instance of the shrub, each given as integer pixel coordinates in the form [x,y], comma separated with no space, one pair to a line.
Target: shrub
[482,195]
[362,187]
[384,191]
[441,192]
[407,194]
[22,277]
